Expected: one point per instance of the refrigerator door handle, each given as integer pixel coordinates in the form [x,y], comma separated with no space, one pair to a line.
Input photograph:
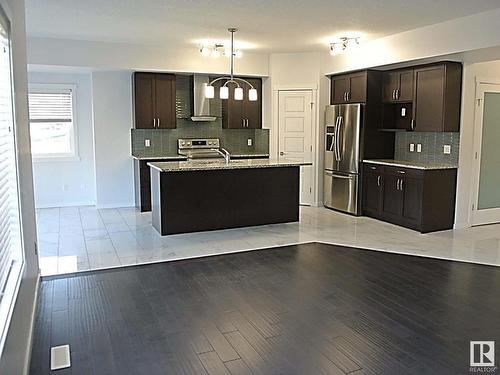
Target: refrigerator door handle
[334,143]
[339,126]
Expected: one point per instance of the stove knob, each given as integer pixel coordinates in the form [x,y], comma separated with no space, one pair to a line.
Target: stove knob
[183,143]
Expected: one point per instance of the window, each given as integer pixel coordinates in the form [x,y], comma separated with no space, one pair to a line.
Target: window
[11,253]
[52,122]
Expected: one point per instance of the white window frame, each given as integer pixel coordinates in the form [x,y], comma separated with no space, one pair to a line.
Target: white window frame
[16,272]
[56,87]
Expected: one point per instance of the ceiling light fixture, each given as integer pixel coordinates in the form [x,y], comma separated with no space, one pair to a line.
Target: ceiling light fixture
[217,50]
[342,44]
[238,90]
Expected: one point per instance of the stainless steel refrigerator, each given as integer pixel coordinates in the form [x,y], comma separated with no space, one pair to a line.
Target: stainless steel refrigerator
[343,134]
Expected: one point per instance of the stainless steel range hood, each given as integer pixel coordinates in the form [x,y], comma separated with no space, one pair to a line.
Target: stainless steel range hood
[201,105]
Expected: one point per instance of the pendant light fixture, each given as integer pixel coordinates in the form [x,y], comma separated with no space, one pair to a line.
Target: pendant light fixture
[224,89]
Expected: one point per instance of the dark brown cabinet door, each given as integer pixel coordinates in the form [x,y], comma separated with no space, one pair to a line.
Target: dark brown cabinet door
[144,100]
[165,101]
[357,88]
[253,110]
[392,197]
[339,89]
[398,86]
[243,114]
[391,84]
[412,200]
[232,112]
[372,193]
[406,87]
[429,101]
[154,101]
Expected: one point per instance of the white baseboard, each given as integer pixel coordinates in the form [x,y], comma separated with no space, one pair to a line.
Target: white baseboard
[71,204]
[26,368]
[115,205]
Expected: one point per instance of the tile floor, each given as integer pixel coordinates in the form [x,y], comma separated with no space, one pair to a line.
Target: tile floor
[84,238]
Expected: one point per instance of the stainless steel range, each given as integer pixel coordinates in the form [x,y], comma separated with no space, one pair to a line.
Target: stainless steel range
[202,148]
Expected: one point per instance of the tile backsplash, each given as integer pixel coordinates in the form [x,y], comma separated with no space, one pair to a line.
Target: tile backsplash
[164,141]
[432,147]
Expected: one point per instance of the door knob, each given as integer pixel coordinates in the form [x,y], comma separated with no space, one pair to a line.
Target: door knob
[282,153]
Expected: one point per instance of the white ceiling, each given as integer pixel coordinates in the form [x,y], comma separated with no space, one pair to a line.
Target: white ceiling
[266,25]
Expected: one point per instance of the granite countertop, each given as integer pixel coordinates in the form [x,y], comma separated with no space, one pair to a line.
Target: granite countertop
[204,165]
[180,157]
[410,164]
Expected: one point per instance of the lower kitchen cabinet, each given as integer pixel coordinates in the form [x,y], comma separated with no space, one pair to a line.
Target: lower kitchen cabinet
[423,200]
[142,182]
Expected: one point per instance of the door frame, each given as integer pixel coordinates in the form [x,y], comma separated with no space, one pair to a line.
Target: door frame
[315,134]
[476,154]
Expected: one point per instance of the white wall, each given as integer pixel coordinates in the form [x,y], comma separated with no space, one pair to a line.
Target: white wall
[74,182]
[112,107]
[16,352]
[456,36]
[110,56]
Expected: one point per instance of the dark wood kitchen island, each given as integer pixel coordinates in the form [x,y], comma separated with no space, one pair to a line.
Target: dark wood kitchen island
[200,195]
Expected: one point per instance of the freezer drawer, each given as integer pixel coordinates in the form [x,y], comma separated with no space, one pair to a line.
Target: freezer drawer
[341,192]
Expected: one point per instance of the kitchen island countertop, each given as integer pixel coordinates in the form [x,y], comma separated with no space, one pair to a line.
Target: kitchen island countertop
[410,164]
[205,165]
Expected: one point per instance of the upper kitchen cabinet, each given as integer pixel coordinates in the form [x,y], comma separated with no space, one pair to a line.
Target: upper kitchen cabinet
[349,88]
[154,101]
[352,87]
[436,107]
[398,86]
[243,114]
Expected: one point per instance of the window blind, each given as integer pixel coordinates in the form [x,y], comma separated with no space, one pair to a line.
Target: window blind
[11,257]
[51,106]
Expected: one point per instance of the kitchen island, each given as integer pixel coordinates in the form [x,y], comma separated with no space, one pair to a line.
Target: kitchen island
[200,195]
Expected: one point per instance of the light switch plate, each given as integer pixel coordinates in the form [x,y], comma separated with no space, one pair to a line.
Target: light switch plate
[419,147]
[447,149]
[249,141]
[147,143]
[403,112]
[412,147]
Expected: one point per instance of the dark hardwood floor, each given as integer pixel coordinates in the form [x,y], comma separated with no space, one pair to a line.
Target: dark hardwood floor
[306,309]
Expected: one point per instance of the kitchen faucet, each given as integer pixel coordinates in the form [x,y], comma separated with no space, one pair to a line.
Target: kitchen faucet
[225,153]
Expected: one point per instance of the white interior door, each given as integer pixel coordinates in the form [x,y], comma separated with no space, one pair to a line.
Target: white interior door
[295,135]
[486,205]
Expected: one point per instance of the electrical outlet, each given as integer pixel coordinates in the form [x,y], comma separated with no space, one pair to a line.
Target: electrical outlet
[419,147]
[249,141]
[403,112]
[447,149]
[147,142]
[412,147]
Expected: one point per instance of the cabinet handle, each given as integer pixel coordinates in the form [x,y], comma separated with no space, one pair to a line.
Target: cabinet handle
[397,94]
[393,94]
[401,185]
[348,95]
[401,172]
[247,122]
[412,124]
[243,122]
[397,184]
[158,123]
[373,168]
[154,123]
[378,180]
